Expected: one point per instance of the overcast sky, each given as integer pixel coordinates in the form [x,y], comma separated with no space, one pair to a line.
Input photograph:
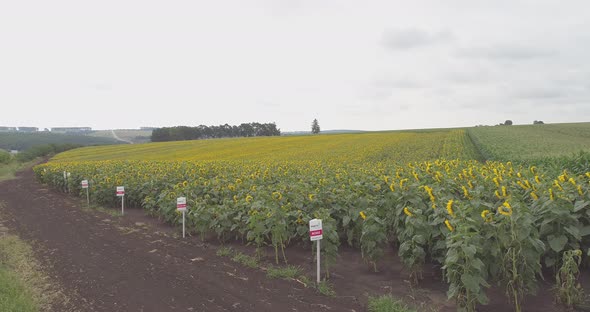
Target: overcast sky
[368,65]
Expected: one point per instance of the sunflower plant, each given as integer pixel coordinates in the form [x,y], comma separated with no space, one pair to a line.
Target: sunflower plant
[373,236]
[568,290]
[464,269]
[521,248]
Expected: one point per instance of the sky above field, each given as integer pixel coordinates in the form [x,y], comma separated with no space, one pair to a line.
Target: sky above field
[367,65]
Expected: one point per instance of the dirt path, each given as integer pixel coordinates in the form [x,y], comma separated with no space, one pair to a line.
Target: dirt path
[118,138]
[109,263]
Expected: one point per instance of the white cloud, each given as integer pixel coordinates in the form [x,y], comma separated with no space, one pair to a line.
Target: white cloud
[509,52]
[406,39]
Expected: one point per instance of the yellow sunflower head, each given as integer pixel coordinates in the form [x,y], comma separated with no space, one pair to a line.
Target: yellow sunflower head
[450,208]
[407,212]
[505,210]
[486,215]
[449,226]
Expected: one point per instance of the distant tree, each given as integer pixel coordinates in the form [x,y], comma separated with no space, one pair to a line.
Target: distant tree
[508,122]
[538,122]
[315,127]
[246,130]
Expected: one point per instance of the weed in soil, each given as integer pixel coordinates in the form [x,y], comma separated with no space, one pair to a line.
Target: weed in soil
[246,260]
[224,251]
[288,272]
[326,289]
[387,303]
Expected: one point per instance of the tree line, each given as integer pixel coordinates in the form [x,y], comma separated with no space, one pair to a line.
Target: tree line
[45,150]
[181,133]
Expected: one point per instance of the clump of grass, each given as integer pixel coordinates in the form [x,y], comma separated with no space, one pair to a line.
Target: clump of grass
[246,260]
[28,288]
[224,251]
[9,170]
[306,281]
[326,289]
[14,296]
[287,272]
[387,303]
[111,212]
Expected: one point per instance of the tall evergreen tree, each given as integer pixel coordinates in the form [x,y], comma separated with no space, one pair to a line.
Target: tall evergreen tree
[315,127]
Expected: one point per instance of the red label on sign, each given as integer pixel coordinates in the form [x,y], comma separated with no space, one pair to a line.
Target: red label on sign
[315,233]
[120,191]
[181,203]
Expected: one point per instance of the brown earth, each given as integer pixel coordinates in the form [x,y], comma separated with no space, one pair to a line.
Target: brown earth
[137,263]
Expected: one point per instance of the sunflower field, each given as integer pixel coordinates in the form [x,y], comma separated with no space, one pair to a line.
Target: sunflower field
[427,193]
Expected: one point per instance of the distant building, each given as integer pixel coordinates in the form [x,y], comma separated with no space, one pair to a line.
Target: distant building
[71,129]
[7,129]
[28,129]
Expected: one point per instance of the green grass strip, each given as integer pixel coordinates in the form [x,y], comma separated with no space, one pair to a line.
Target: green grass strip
[24,286]
[13,294]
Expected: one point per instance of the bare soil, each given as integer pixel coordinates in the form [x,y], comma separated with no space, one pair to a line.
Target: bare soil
[138,263]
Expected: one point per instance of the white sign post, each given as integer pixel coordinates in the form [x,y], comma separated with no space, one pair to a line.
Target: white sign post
[121,193]
[65,181]
[316,234]
[85,186]
[67,184]
[181,206]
